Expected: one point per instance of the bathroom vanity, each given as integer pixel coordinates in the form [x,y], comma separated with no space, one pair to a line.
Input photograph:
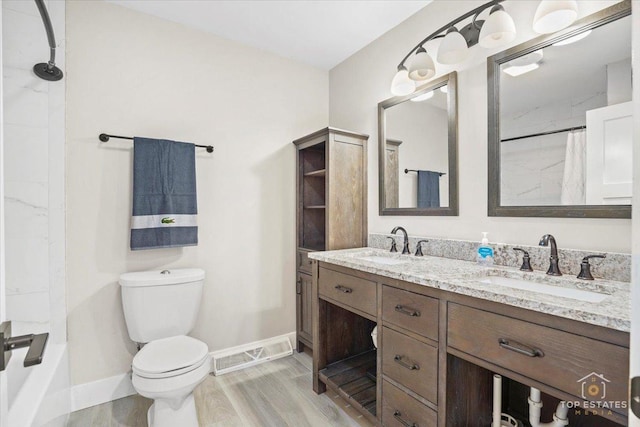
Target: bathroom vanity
[446,326]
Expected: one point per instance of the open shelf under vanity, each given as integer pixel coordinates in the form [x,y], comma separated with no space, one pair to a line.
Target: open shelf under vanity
[354,379]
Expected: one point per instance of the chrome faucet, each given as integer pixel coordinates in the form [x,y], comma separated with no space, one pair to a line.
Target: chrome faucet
[554,268]
[405,248]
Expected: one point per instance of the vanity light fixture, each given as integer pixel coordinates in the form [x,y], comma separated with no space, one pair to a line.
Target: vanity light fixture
[453,48]
[573,39]
[554,15]
[498,30]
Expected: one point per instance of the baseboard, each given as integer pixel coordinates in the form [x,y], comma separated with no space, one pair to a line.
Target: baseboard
[119,386]
[101,391]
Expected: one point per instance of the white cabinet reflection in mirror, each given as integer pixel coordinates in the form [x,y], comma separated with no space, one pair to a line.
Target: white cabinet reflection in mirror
[417,141]
[609,162]
[547,158]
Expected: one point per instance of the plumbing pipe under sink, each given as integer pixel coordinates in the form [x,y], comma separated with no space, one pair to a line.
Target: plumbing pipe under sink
[497,401]
[535,404]
[560,418]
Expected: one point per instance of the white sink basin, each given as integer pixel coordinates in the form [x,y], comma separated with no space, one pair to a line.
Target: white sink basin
[572,293]
[383,260]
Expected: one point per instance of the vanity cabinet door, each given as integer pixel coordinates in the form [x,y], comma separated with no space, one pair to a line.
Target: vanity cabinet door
[411,311]
[578,365]
[304,296]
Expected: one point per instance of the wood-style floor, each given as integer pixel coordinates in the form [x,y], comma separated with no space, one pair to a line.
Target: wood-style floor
[276,393]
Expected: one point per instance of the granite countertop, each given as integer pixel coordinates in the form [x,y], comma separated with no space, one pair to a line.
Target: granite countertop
[463,277]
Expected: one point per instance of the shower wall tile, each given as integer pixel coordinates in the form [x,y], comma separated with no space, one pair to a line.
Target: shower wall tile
[27,274]
[34,140]
[24,38]
[26,98]
[19,140]
[26,209]
[22,6]
[56,157]
[31,308]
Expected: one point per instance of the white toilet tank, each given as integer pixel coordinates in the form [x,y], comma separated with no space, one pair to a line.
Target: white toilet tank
[160,304]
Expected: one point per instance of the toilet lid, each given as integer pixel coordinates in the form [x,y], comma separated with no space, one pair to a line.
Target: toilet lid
[172,355]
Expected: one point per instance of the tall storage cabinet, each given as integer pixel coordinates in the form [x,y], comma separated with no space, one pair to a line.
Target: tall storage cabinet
[331,167]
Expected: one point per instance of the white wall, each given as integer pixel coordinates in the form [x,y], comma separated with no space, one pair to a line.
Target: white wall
[33,157]
[363,80]
[133,74]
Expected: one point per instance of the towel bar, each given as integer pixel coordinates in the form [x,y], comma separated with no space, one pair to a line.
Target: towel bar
[105,137]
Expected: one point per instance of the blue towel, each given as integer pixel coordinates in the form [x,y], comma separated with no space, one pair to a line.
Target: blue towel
[428,189]
[164,194]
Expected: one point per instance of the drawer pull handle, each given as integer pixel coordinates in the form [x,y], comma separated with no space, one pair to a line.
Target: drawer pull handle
[409,366]
[408,311]
[398,416]
[344,289]
[520,348]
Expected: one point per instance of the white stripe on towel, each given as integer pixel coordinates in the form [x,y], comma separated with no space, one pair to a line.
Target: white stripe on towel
[157,221]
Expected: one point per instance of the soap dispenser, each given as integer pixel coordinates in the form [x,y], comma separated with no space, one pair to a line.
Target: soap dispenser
[484,255]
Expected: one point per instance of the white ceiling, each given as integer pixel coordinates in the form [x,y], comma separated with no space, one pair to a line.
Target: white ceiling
[319,32]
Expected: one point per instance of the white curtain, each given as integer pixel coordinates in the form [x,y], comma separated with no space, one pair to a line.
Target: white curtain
[573,182]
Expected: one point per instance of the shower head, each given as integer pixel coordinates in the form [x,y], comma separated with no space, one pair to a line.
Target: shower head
[48,71]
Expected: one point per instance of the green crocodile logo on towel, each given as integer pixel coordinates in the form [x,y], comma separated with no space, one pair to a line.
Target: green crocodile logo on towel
[167,220]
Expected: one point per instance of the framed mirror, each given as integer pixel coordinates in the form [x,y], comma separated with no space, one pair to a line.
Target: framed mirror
[418,151]
[560,122]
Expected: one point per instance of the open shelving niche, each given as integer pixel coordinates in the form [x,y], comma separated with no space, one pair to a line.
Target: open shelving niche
[313,200]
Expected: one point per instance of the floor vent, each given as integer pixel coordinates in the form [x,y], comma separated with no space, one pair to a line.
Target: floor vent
[252,354]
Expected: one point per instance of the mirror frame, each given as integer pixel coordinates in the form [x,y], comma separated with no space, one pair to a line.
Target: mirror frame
[605,16]
[449,80]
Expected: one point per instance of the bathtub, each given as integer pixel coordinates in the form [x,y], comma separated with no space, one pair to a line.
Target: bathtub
[39,395]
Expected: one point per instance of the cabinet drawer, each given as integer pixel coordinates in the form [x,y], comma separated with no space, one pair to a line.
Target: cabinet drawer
[411,311]
[411,363]
[304,263]
[401,410]
[564,361]
[346,289]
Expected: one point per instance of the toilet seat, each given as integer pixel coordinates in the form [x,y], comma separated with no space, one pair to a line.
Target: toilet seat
[170,357]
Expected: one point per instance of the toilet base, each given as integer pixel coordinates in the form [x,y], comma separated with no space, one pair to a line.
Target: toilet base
[162,414]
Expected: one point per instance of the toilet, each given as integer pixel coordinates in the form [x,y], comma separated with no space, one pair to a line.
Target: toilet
[160,309]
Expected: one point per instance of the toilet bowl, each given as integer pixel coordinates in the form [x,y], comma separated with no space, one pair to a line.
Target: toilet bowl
[160,309]
[168,370]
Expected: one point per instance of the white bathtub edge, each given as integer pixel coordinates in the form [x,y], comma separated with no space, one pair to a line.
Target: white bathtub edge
[44,396]
[101,391]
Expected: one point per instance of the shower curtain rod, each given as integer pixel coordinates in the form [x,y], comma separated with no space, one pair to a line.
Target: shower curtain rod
[105,137]
[415,170]
[551,132]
